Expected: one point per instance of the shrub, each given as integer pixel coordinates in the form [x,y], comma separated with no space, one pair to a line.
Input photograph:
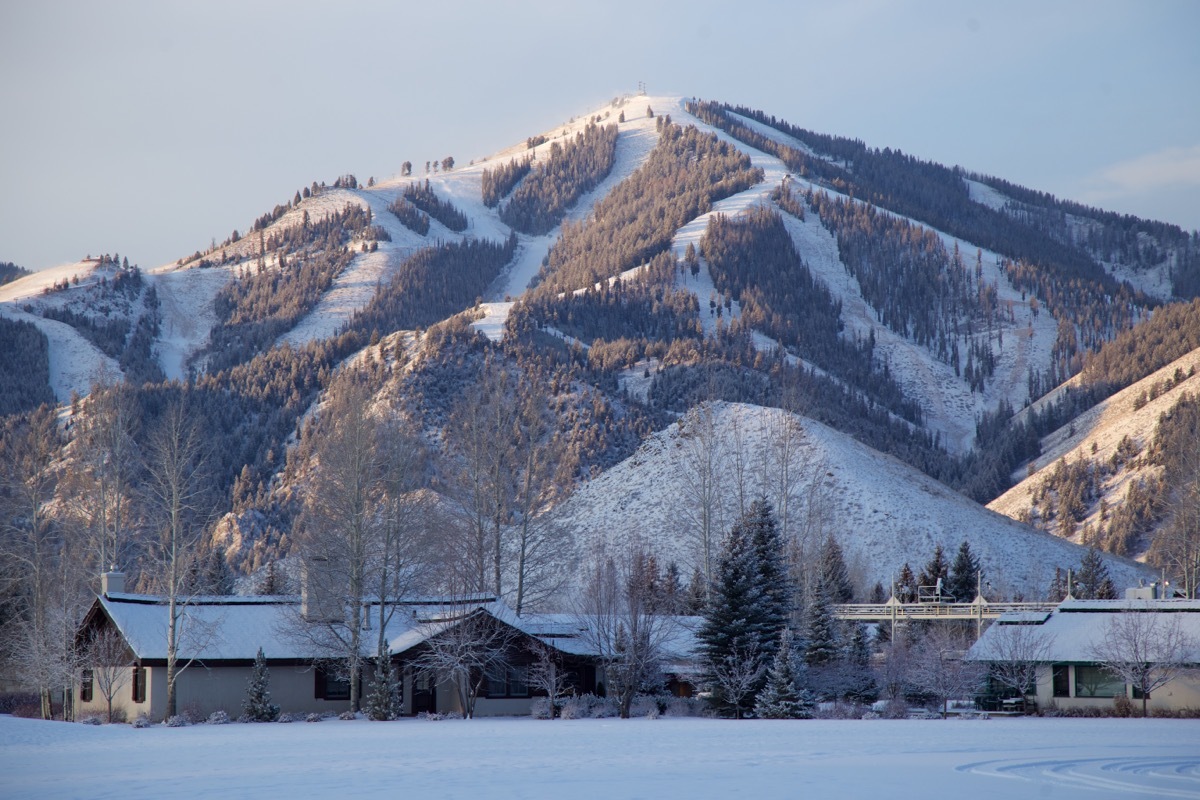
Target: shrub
[286,718]
[218,718]
[11,701]
[577,707]
[644,706]
[178,721]
[347,715]
[540,708]
[313,717]
[840,710]
[684,707]
[142,721]
[90,720]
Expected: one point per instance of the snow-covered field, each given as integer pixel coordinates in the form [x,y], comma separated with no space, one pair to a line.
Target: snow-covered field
[607,759]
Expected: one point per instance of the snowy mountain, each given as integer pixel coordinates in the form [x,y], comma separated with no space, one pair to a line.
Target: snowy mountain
[640,258]
[883,513]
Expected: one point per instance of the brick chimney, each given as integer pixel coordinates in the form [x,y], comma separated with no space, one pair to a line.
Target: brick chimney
[112,582]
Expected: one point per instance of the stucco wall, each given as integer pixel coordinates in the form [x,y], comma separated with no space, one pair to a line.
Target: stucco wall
[1178,694]
[201,691]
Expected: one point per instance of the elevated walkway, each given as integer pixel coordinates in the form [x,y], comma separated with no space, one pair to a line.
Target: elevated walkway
[895,612]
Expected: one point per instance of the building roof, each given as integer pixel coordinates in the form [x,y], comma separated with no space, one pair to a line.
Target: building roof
[233,628]
[1074,629]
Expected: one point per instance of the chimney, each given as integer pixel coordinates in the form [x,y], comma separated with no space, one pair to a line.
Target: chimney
[317,601]
[112,582]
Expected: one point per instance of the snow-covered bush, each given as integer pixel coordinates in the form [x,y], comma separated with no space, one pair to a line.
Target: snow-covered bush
[604,707]
[540,708]
[589,705]
[142,721]
[643,706]
[218,718]
[684,707]
[894,709]
[434,716]
[178,721]
[90,720]
[286,718]
[840,710]
[347,715]
[312,717]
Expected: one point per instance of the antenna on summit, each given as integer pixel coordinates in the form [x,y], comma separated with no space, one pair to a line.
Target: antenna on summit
[641,87]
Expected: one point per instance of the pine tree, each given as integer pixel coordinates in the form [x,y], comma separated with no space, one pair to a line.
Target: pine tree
[964,575]
[834,574]
[747,608]
[906,585]
[1093,581]
[858,679]
[772,572]
[258,706]
[383,703]
[935,570]
[780,698]
[820,631]
[1058,587]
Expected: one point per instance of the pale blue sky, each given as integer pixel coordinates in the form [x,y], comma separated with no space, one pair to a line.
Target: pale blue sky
[149,128]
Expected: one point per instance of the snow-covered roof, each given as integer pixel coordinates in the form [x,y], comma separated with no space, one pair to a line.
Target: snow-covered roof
[216,628]
[223,628]
[1072,632]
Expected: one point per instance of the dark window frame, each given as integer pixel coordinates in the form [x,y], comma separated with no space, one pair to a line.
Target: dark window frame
[86,683]
[508,682]
[1093,680]
[1060,680]
[138,685]
[327,686]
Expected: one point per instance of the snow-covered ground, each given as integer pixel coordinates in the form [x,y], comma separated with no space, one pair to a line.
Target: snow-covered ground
[606,759]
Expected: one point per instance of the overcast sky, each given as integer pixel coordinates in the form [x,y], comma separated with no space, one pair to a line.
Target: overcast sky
[149,128]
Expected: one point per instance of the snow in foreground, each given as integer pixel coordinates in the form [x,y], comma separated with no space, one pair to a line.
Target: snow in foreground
[583,759]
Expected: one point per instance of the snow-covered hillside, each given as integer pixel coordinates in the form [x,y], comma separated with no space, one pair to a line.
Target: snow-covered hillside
[883,512]
[1096,435]
[75,363]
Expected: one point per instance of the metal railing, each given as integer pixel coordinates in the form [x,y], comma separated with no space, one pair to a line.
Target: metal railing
[897,611]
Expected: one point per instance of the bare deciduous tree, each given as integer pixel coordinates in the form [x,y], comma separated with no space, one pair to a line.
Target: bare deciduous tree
[1016,653]
[341,527]
[702,482]
[105,451]
[37,569]
[465,647]
[1146,650]
[179,504]
[1176,546]
[621,620]
[940,670]
[546,674]
[107,656]
[504,460]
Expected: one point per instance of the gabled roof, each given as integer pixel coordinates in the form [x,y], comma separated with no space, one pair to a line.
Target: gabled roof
[233,628]
[1074,629]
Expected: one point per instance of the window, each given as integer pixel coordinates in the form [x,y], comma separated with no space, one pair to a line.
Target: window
[328,686]
[507,682]
[85,686]
[1094,681]
[139,684]
[1062,680]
